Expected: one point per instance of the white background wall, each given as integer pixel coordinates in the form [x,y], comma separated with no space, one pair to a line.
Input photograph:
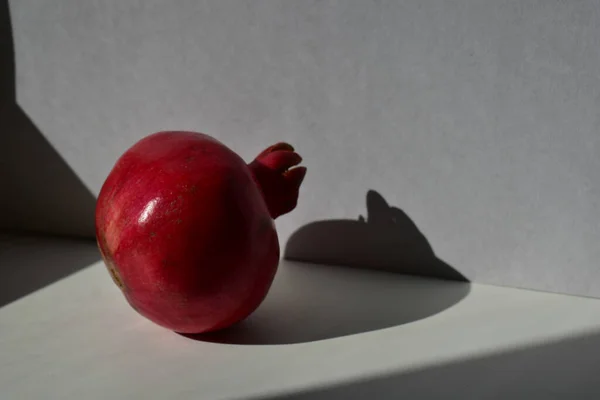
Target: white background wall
[479,119]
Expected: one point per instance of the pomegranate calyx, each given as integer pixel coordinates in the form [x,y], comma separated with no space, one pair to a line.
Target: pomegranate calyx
[279,177]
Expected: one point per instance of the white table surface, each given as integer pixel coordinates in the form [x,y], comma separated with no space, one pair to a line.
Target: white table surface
[323,332]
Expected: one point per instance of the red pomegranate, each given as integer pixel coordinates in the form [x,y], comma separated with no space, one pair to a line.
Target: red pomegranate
[185,227]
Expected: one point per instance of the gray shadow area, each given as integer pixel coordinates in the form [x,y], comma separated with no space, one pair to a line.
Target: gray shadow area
[565,370]
[29,263]
[311,302]
[386,240]
[40,193]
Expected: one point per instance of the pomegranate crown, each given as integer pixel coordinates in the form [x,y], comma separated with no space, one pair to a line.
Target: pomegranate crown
[279,177]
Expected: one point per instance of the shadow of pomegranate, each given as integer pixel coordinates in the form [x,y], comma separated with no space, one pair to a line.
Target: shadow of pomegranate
[386,240]
[320,298]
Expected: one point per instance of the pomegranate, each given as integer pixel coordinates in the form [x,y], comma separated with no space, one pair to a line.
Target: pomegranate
[185,227]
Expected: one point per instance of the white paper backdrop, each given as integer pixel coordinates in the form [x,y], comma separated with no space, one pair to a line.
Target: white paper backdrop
[479,119]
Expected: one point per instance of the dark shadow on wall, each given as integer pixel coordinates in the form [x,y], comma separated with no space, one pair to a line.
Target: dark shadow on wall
[39,191]
[560,370]
[386,240]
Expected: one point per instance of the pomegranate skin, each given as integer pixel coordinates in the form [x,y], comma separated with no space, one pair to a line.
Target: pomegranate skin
[185,228]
